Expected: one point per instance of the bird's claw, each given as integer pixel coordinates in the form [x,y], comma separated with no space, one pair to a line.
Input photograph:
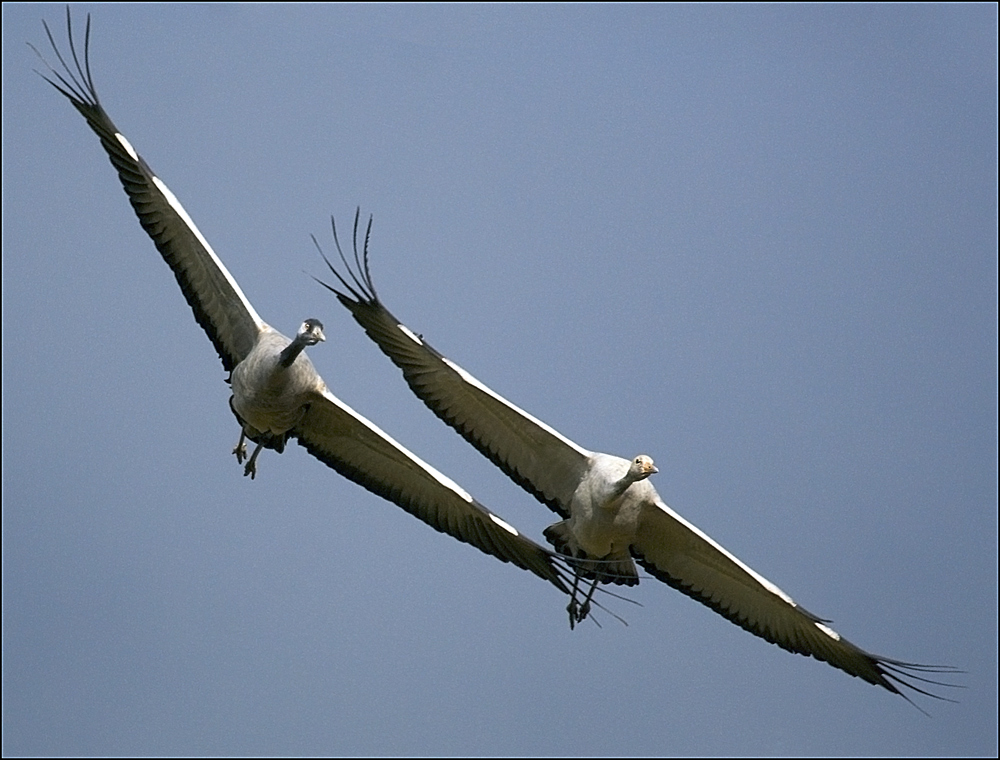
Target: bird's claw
[577,612]
[241,447]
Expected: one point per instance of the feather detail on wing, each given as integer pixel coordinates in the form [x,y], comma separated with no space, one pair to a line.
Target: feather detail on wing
[357,449]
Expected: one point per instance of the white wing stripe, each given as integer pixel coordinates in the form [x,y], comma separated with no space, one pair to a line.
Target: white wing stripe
[506,526]
[759,578]
[176,205]
[127,146]
[476,384]
[410,334]
[440,477]
[828,631]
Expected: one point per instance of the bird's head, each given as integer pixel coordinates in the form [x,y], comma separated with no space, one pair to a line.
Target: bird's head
[311,332]
[641,468]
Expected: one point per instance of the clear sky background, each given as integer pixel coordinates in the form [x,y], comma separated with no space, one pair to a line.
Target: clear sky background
[758,243]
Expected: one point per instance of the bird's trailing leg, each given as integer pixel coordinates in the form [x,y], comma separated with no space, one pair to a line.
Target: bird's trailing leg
[251,468]
[578,612]
[241,453]
[241,448]
[572,608]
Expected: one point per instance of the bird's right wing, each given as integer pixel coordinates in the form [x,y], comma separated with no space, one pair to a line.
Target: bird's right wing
[682,556]
[540,459]
[219,305]
[357,449]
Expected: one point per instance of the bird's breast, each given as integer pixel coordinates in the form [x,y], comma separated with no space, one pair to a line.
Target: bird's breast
[269,397]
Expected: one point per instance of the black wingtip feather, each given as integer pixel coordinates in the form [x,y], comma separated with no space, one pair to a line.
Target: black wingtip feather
[892,675]
[363,289]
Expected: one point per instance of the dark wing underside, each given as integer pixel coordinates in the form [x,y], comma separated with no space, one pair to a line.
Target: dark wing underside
[218,303]
[682,556]
[350,444]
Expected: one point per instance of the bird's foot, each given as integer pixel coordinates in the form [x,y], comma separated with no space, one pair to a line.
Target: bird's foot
[241,448]
[251,468]
[577,612]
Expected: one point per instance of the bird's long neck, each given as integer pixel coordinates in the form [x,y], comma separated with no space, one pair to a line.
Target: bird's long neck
[614,490]
[622,485]
[290,352]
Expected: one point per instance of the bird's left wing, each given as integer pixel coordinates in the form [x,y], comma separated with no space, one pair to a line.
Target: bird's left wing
[357,449]
[219,305]
[679,554]
[537,457]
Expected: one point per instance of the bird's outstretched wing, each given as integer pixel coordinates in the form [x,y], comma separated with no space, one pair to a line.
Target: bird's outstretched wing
[219,305]
[357,449]
[682,556]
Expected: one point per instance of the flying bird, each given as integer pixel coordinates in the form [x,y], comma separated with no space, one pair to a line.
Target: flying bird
[277,395]
[611,516]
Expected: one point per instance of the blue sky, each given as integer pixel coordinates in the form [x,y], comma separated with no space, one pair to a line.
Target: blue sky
[758,243]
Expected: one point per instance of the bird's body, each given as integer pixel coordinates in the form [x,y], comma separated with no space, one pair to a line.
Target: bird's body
[605,513]
[268,397]
[277,394]
[273,388]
